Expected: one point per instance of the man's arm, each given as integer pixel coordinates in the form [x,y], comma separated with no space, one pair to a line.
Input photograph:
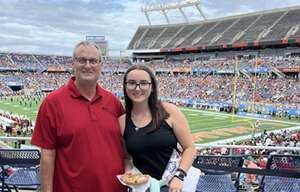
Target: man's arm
[47,169]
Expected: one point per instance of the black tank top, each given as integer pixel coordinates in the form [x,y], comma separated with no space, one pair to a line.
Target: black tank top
[150,151]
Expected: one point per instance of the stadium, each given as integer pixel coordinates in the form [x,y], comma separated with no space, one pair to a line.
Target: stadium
[235,78]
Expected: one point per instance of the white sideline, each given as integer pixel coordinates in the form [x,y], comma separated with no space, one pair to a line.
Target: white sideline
[230,115]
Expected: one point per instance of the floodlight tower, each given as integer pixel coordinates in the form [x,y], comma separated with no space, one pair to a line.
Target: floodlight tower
[164,7]
[198,7]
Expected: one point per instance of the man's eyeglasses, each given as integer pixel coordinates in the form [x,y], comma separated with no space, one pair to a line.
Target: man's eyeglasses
[143,85]
[83,61]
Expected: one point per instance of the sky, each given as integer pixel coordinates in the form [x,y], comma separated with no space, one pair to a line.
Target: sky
[55,26]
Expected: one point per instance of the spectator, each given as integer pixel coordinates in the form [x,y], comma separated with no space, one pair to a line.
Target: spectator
[152,129]
[78,131]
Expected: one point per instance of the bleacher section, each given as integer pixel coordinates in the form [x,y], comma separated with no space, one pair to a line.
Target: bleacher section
[32,61]
[198,34]
[215,32]
[149,37]
[280,30]
[137,37]
[274,25]
[168,34]
[194,80]
[266,21]
[241,25]
[179,37]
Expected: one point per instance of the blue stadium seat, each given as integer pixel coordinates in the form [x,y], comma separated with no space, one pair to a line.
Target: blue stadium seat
[215,183]
[216,180]
[282,184]
[25,163]
[24,177]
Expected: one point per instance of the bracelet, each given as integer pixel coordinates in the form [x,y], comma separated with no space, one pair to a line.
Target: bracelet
[182,171]
[179,174]
[181,179]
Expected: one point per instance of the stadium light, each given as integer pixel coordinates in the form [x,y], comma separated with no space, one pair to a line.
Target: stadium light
[163,7]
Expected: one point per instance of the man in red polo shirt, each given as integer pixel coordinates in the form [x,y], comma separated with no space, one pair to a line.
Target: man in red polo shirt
[78,131]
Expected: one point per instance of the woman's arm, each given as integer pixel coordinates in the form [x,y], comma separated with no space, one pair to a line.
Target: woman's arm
[181,129]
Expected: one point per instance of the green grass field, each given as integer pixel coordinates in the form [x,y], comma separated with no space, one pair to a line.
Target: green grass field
[213,126]
[12,104]
[205,126]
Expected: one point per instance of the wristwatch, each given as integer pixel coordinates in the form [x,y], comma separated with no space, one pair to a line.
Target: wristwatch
[180,174]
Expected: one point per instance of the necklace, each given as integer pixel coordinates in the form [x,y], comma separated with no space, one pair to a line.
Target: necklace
[144,121]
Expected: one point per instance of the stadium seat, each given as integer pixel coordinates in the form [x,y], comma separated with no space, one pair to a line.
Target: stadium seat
[283,184]
[215,183]
[25,166]
[217,180]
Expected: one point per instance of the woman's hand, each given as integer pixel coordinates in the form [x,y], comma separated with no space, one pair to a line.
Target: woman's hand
[175,185]
[128,164]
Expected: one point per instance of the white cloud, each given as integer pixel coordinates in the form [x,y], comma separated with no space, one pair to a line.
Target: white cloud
[55,26]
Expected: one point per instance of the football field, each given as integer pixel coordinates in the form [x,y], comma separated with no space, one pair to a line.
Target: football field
[205,126]
[27,107]
[213,126]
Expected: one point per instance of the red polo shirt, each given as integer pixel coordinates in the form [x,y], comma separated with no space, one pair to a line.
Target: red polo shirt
[86,137]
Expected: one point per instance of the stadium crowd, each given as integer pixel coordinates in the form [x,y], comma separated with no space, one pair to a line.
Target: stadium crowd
[283,138]
[278,92]
[18,60]
[174,83]
[263,88]
[258,158]
[223,63]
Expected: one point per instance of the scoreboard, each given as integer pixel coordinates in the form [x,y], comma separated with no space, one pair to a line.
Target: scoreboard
[101,42]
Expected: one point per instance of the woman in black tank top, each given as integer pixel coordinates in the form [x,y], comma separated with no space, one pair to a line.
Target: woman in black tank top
[151,128]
